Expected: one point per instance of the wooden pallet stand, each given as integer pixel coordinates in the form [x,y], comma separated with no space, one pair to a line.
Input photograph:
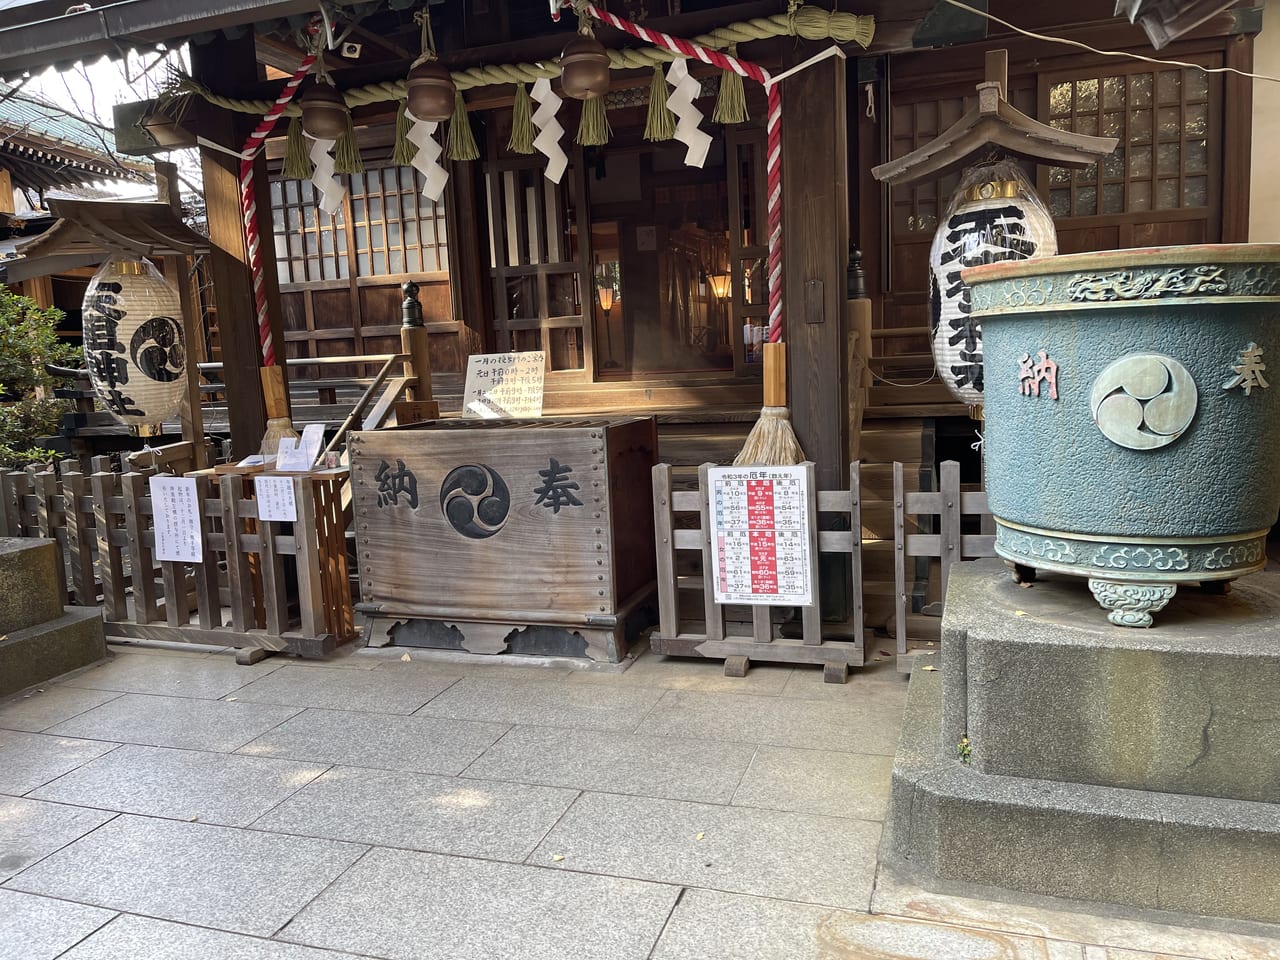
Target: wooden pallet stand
[738,635]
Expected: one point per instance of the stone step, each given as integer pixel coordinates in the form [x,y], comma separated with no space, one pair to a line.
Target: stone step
[30,583]
[34,655]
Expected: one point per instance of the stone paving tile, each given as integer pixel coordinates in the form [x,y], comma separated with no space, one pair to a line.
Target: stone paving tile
[788,856]
[182,784]
[141,938]
[778,721]
[174,722]
[545,703]
[433,907]
[41,708]
[30,830]
[28,760]
[729,927]
[416,744]
[1113,953]
[236,880]
[168,676]
[684,673]
[669,767]
[390,660]
[877,684]
[373,691]
[823,782]
[480,818]
[37,928]
[1069,921]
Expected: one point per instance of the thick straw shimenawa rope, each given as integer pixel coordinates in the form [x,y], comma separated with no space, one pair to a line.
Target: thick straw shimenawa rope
[808,23]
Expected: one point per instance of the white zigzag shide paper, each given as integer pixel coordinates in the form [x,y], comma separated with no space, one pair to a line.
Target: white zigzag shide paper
[327,185]
[427,160]
[687,115]
[547,141]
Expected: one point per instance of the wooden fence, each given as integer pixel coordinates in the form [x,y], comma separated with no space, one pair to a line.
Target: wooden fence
[724,637]
[736,634]
[262,585]
[942,510]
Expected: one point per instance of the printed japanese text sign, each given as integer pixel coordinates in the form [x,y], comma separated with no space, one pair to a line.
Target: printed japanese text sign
[504,385]
[275,498]
[760,538]
[175,509]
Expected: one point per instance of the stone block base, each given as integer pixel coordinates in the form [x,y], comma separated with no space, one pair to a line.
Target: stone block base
[48,650]
[1153,850]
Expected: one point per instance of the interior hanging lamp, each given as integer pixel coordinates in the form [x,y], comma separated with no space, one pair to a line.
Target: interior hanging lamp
[134,344]
[430,90]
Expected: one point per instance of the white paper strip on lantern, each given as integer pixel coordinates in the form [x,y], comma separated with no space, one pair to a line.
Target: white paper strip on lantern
[133,343]
[993,216]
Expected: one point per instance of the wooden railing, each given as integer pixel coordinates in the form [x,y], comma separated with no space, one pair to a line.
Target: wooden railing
[261,586]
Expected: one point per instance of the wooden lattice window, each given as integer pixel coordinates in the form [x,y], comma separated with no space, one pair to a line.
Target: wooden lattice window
[396,229]
[384,228]
[310,245]
[1163,119]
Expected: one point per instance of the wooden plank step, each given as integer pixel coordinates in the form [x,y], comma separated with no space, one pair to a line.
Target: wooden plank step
[921,360]
[886,396]
[891,333]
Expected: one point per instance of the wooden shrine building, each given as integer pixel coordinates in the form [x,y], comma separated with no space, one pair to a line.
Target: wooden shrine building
[509,260]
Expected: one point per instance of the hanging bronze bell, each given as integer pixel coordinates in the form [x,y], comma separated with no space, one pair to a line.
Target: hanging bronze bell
[430,92]
[584,68]
[325,114]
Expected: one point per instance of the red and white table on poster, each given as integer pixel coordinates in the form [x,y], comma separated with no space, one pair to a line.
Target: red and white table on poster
[760,535]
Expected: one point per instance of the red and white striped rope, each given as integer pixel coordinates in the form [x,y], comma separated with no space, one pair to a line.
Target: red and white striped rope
[773,157]
[249,205]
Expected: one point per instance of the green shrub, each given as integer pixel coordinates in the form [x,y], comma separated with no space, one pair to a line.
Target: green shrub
[29,340]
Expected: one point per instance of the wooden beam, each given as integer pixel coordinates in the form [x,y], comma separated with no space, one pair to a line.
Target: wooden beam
[815,253]
[228,64]
[1237,141]
[6,192]
[177,271]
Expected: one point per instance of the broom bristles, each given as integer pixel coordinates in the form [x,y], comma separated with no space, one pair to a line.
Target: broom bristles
[772,441]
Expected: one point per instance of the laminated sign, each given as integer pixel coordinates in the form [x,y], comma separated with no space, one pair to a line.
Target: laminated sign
[175,508]
[761,535]
[504,385]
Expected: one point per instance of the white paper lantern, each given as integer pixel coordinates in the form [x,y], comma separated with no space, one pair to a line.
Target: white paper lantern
[133,343]
[994,215]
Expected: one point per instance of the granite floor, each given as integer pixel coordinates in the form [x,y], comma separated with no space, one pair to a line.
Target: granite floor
[171,805]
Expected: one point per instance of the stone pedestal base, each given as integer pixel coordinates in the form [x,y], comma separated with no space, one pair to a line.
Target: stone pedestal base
[1139,767]
[48,650]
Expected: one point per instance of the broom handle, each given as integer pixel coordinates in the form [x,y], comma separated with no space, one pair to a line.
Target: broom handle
[775,374]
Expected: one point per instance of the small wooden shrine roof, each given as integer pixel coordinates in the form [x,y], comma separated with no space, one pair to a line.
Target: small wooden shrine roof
[994,122]
[137,228]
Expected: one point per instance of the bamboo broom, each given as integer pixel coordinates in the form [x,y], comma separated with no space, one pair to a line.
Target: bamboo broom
[772,441]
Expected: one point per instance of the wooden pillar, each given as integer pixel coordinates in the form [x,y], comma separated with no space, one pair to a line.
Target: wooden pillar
[1238,142]
[177,272]
[225,65]
[815,234]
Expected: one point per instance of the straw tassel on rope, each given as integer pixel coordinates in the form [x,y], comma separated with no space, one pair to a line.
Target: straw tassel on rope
[593,129]
[772,441]
[522,132]
[404,151]
[661,122]
[297,156]
[731,99]
[346,155]
[462,142]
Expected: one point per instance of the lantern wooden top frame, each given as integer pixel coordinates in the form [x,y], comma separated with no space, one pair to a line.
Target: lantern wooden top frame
[994,122]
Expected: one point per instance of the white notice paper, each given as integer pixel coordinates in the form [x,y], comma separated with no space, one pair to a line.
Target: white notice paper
[301,455]
[176,515]
[275,498]
[760,535]
[504,385]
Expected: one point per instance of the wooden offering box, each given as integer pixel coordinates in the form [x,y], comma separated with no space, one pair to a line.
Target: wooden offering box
[492,536]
